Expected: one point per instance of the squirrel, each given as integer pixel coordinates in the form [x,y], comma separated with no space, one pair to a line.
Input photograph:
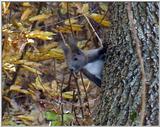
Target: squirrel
[90,63]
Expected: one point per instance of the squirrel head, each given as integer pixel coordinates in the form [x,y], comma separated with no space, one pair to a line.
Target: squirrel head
[74,56]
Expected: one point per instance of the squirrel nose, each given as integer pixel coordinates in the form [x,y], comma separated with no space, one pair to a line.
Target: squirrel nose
[72,69]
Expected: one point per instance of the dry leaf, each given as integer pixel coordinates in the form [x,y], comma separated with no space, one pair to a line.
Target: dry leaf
[26,117]
[99,19]
[63,7]
[41,17]
[5,7]
[9,67]
[18,89]
[44,35]
[33,70]
[103,6]
[67,29]
[85,8]
[38,84]
[72,20]
[68,95]
[26,14]
[26,4]
[27,63]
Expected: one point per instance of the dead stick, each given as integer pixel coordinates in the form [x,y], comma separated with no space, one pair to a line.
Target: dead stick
[85,92]
[62,122]
[74,108]
[79,95]
[101,44]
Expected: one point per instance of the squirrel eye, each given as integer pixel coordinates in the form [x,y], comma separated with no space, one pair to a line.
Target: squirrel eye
[75,59]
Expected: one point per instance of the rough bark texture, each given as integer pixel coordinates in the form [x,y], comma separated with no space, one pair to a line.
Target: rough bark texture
[120,102]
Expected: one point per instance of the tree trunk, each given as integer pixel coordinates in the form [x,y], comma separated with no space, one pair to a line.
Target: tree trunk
[130,85]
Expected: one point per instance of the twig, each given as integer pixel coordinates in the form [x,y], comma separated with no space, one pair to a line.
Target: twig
[62,38]
[79,95]
[69,83]
[74,108]
[97,26]
[64,42]
[94,31]
[73,100]
[76,116]
[85,92]
[140,58]
[55,75]
[62,122]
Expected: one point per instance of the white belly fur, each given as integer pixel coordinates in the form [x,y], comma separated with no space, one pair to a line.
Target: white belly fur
[95,68]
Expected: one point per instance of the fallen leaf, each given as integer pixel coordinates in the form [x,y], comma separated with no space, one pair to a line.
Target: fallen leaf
[99,19]
[43,35]
[33,70]
[103,6]
[72,20]
[41,17]
[26,117]
[67,28]
[68,95]
[9,67]
[26,14]
[18,89]
[5,7]
[26,4]
[85,8]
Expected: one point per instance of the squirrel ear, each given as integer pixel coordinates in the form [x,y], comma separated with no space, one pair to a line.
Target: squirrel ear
[62,44]
[64,47]
[72,43]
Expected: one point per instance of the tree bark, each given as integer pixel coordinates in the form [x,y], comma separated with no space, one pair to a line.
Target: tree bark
[130,84]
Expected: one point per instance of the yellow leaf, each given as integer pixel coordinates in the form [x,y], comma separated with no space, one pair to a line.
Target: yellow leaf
[63,7]
[19,25]
[18,89]
[67,29]
[85,8]
[26,4]
[26,14]
[52,53]
[31,69]
[103,6]
[68,95]
[9,67]
[41,17]
[72,20]
[76,27]
[44,35]
[38,84]
[106,23]
[33,94]
[27,63]
[48,47]
[26,117]
[99,19]
[81,44]
[5,7]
